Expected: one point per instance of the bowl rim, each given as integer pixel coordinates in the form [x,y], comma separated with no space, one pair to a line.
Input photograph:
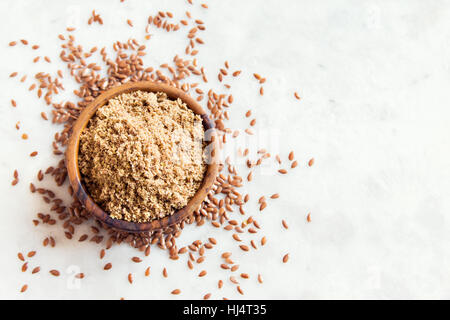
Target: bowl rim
[71,158]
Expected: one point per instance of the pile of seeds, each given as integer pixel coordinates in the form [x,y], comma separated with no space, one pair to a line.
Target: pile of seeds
[141,156]
[223,208]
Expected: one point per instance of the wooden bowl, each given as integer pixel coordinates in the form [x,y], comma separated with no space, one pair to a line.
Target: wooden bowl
[74,173]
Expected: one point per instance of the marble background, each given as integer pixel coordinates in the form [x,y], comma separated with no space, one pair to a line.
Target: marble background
[374,80]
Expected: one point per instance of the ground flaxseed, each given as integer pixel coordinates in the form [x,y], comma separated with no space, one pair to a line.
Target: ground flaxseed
[141,156]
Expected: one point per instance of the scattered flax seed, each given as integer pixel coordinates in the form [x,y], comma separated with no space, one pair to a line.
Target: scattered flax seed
[147,271]
[311,162]
[24,288]
[262,206]
[165,274]
[261,91]
[260,280]
[240,290]
[25,267]
[285,225]
[282,171]
[263,241]
[215,224]
[102,253]
[13,103]
[294,164]
[291,155]
[36,270]
[277,157]
[207,296]
[16,178]
[176,291]
[35,47]
[236,237]
[24,136]
[244,247]
[54,273]
[136,259]
[202,273]
[12,75]
[286,258]
[79,275]
[107,266]
[20,256]
[34,154]
[236,73]
[25,42]
[226,255]
[12,43]
[253,122]
[308,217]
[297,96]
[130,278]
[130,23]
[204,5]
[275,196]
[31,254]
[234,268]
[44,115]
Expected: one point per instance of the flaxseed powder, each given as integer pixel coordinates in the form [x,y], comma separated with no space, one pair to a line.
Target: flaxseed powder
[141,156]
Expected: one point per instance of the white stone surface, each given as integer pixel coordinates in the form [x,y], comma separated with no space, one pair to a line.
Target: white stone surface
[374,79]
